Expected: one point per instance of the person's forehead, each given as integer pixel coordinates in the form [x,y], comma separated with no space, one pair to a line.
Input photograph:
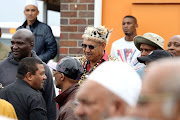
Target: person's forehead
[175,39]
[40,66]
[128,19]
[19,39]
[31,7]
[90,89]
[143,45]
[90,42]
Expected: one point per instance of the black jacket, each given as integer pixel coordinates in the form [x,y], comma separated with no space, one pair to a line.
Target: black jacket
[45,44]
[27,102]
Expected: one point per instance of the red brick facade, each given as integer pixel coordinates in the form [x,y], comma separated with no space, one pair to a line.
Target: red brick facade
[75,16]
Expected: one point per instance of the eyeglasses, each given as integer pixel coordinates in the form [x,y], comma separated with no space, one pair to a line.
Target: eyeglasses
[144,99]
[90,46]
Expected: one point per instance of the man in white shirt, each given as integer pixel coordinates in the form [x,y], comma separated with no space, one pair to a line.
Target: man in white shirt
[124,48]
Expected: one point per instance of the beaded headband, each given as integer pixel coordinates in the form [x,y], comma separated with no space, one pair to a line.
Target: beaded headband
[97,34]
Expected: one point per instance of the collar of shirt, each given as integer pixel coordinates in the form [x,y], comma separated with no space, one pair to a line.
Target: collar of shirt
[33,25]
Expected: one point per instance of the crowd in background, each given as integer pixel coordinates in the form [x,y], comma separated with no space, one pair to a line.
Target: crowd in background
[140,80]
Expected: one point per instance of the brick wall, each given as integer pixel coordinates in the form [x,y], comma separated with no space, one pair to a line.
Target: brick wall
[75,16]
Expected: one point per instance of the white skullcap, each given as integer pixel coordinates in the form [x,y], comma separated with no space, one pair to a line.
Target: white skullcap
[31,2]
[120,79]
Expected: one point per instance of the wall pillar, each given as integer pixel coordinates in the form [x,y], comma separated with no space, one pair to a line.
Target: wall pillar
[76,15]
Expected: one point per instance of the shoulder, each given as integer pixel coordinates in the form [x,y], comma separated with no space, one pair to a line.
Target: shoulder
[82,59]
[19,27]
[43,25]
[5,63]
[8,109]
[46,67]
[5,104]
[66,113]
[119,41]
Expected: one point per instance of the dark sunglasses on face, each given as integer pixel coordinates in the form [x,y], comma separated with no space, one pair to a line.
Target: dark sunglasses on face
[90,46]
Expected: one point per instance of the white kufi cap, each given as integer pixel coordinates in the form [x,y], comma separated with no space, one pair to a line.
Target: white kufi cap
[120,79]
[31,2]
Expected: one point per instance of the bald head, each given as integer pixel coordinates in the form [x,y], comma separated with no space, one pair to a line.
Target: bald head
[175,37]
[174,45]
[24,34]
[163,75]
[22,43]
[159,98]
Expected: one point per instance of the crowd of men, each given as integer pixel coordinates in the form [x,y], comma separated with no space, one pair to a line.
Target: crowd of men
[140,80]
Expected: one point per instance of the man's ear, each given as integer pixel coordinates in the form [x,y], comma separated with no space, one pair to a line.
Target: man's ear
[117,108]
[62,76]
[120,107]
[29,76]
[136,26]
[31,44]
[38,12]
[104,45]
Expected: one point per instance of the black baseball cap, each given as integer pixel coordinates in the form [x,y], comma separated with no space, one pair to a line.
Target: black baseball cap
[70,67]
[154,55]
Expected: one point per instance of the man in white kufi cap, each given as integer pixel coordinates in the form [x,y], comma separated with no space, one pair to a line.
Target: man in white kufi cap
[31,2]
[108,92]
[45,44]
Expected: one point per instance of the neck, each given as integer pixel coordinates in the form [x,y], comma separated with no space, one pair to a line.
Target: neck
[66,85]
[19,59]
[130,37]
[30,22]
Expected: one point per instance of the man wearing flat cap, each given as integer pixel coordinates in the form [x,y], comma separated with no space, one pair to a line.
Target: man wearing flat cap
[45,44]
[94,43]
[67,74]
[146,44]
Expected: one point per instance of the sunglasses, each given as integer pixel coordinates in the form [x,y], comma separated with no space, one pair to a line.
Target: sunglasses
[90,46]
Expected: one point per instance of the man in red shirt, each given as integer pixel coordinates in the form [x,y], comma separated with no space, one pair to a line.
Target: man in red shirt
[94,43]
